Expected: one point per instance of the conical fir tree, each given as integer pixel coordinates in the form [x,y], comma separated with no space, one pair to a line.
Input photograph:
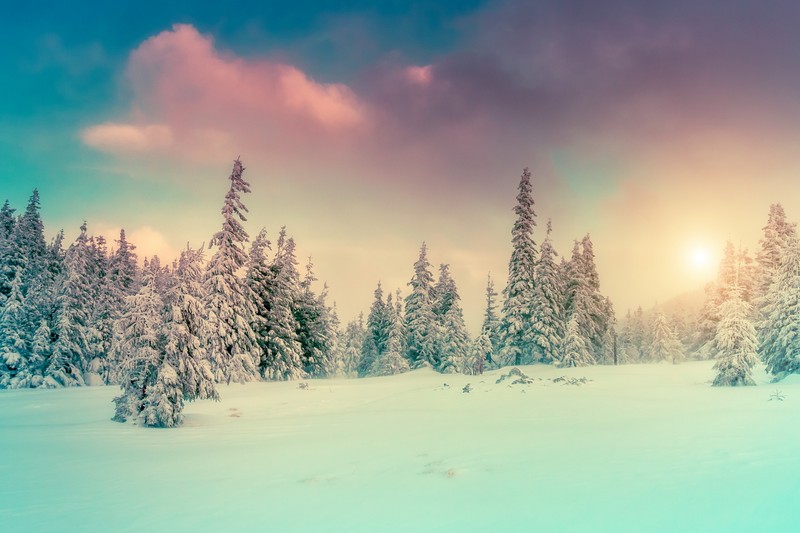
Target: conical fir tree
[778,235]
[575,351]
[233,346]
[186,330]
[779,343]
[665,345]
[352,344]
[379,325]
[491,323]
[735,344]
[454,341]
[391,361]
[515,327]
[281,348]
[420,326]
[548,305]
[137,349]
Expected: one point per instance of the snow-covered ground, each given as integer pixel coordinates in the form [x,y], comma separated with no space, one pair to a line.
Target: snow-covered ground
[637,448]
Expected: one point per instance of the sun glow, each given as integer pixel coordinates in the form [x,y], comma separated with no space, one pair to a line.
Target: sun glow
[700,258]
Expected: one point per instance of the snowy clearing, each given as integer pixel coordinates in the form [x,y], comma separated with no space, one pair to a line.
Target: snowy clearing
[635,448]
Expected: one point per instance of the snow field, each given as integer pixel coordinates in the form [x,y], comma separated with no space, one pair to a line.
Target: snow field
[637,448]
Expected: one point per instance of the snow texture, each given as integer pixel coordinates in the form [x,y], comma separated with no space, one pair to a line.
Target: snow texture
[615,451]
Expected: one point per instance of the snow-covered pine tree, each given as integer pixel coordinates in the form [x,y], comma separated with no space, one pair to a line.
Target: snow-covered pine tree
[162,405]
[480,351]
[257,284]
[778,234]
[161,347]
[123,271]
[548,315]
[352,345]
[72,328]
[706,327]
[162,277]
[420,323]
[624,340]
[779,343]
[10,261]
[601,312]
[748,276]
[378,328]
[575,351]
[444,292]
[583,300]
[608,344]
[454,340]
[41,313]
[7,221]
[736,271]
[735,343]
[665,346]
[137,350]
[310,313]
[187,336]
[104,312]
[391,361]
[579,297]
[29,240]
[281,349]
[491,323]
[233,347]
[13,348]
[515,325]
[334,363]
[39,354]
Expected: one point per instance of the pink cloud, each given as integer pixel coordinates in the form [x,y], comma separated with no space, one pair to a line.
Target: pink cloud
[419,75]
[127,138]
[190,96]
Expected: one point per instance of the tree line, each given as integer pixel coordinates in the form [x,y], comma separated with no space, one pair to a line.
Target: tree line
[169,333]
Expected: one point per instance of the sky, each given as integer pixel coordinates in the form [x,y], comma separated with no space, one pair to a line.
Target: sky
[662,129]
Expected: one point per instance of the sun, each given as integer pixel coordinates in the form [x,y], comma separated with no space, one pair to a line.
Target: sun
[699,259]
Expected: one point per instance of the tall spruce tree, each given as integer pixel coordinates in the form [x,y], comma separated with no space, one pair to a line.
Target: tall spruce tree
[420,325]
[29,236]
[778,235]
[779,343]
[137,350]
[515,326]
[281,348]
[310,313]
[352,345]
[334,360]
[391,361]
[491,323]
[665,345]
[73,331]
[187,334]
[379,324]
[548,316]
[10,260]
[454,340]
[13,347]
[735,343]
[480,352]
[233,347]
[123,272]
[575,351]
